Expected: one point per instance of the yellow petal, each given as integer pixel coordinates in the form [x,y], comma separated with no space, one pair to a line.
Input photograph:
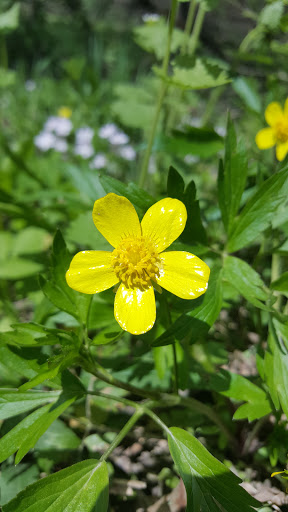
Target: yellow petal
[265,138]
[273,113]
[91,272]
[281,151]
[183,274]
[135,309]
[286,108]
[164,222]
[116,218]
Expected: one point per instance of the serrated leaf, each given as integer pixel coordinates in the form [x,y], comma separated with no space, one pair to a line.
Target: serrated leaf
[82,487]
[258,212]
[276,371]
[210,486]
[152,37]
[231,177]
[134,106]
[199,76]
[204,312]
[246,280]
[14,402]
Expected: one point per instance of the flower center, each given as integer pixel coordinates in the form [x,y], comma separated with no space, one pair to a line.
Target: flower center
[135,262]
[281,130]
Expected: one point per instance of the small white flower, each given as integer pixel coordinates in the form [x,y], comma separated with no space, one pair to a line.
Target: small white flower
[108,130]
[150,17]
[61,145]
[221,130]
[59,125]
[118,139]
[84,135]
[99,161]
[30,85]
[127,152]
[44,141]
[84,150]
[191,159]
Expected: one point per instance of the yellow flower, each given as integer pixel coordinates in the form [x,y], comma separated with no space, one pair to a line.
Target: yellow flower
[65,112]
[277,134]
[138,260]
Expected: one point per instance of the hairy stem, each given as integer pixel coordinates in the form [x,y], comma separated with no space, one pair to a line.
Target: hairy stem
[161,96]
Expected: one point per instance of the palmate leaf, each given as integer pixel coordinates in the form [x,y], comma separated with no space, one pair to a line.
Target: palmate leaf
[82,487]
[258,212]
[210,486]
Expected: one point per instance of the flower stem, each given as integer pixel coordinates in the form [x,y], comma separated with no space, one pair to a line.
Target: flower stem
[130,423]
[161,96]
[196,29]
[188,25]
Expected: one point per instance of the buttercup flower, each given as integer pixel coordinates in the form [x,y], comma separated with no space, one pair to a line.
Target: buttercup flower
[277,133]
[138,260]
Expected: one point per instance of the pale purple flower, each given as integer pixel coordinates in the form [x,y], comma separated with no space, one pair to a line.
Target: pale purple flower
[61,145]
[150,17]
[30,85]
[108,130]
[99,161]
[84,135]
[84,150]
[118,139]
[59,125]
[127,152]
[44,141]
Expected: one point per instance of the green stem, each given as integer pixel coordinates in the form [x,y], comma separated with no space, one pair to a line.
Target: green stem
[188,25]
[3,53]
[214,97]
[196,29]
[139,412]
[275,273]
[161,96]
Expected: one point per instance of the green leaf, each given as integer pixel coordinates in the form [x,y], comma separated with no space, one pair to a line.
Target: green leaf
[134,106]
[138,197]
[152,37]
[210,486]
[82,487]
[246,89]
[281,284]
[194,231]
[246,280]
[204,312]
[18,268]
[202,142]
[83,232]
[56,288]
[16,478]
[26,433]
[258,212]
[231,177]
[200,76]
[14,402]
[108,336]
[7,78]
[276,370]
[31,240]
[240,388]
[9,20]
[58,438]
[271,15]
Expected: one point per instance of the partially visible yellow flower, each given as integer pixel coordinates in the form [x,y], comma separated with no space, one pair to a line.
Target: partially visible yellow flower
[277,134]
[138,260]
[64,112]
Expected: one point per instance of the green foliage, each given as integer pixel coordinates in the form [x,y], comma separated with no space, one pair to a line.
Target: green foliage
[258,212]
[9,20]
[152,37]
[210,486]
[231,177]
[82,487]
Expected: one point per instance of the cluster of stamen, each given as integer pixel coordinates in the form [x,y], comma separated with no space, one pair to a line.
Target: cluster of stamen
[135,262]
[281,131]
